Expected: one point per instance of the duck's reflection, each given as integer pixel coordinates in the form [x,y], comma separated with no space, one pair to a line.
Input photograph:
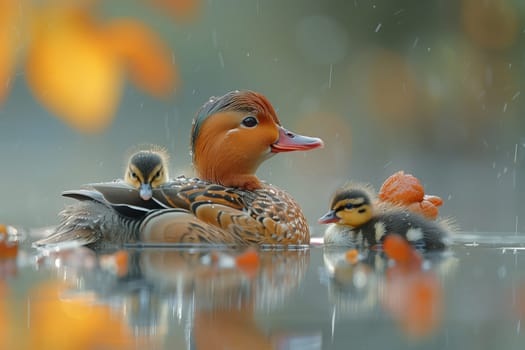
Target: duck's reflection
[196,299]
[412,296]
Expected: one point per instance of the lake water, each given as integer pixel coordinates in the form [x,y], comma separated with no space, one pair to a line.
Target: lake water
[469,297]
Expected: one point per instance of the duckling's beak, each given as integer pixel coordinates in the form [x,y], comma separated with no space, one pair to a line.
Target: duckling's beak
[328,218]
[145,191]
[289,141]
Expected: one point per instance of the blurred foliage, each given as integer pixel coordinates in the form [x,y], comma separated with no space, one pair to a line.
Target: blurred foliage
[388,85]
[75,63]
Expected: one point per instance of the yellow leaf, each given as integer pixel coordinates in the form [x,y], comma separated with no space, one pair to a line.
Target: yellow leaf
[147,59]
[72,70]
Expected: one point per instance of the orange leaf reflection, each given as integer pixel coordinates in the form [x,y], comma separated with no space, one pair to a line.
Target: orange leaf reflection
[72,71]
[72,323]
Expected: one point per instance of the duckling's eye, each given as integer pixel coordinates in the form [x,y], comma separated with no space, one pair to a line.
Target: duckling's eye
[349,206]
[250,122]
[157,175]
[133,174]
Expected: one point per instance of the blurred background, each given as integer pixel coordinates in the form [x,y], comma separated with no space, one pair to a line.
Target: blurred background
[429,87]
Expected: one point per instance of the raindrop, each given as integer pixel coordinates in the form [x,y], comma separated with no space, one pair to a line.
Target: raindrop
[221,59]
[515,96]
[504,108]
[399,12]
[333,323]
[414,44]
[330,76]
[378,27]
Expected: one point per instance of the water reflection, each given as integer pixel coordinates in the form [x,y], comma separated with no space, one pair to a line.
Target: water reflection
[157,297]
[413,297]
[472,297]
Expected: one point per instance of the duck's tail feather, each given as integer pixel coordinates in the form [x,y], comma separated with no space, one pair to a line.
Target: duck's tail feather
[88,222]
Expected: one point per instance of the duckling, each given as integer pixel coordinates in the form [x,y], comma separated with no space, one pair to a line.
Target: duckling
[147,169]
[358,220]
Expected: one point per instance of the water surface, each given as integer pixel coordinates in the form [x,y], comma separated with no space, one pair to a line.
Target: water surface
[470,297]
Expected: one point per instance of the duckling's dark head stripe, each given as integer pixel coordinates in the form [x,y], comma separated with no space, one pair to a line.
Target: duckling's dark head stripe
[361,197]
[242,101]
[146,162]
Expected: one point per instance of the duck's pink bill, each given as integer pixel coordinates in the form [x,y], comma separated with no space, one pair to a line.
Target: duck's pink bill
[289,141]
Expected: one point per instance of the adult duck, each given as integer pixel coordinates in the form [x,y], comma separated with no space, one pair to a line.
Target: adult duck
[225,204]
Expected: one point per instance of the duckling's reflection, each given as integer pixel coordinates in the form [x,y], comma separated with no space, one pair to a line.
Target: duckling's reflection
[412,297]
[181,293]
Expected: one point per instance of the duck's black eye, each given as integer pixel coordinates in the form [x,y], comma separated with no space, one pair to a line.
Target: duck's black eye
[133,174]
[250,122]
[349,206]
[157,175]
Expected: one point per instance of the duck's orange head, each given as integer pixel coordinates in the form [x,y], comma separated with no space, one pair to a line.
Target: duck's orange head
[233,134]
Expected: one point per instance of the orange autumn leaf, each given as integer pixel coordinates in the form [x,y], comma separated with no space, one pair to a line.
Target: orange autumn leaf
[7,48]
[352,256]
[406,190]
[145,56]
[401,188]
[72,70]
[399,249]
[425,208]
[180,9]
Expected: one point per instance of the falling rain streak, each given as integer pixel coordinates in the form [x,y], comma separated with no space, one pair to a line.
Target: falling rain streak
[416,41]
[221,59]
[330,76]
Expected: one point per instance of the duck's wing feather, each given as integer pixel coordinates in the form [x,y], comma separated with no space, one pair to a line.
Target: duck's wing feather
[121,194]
[183,192]
[68,239]
[77,226]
